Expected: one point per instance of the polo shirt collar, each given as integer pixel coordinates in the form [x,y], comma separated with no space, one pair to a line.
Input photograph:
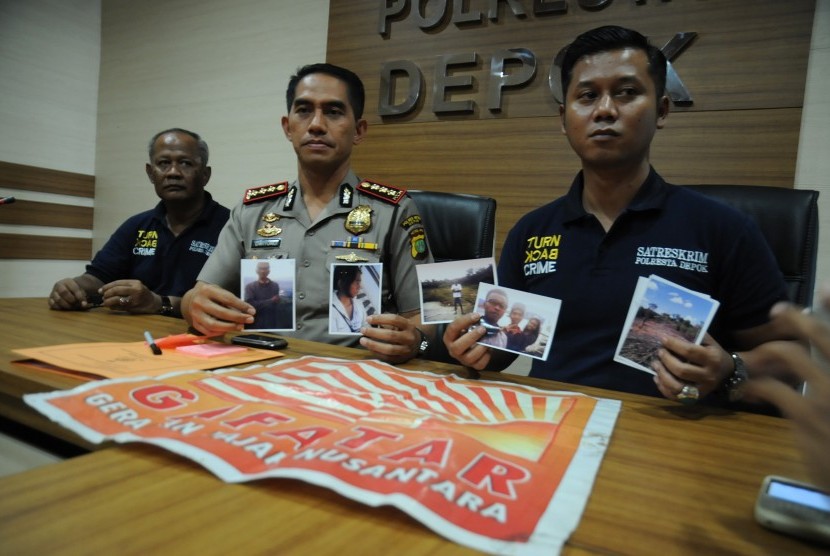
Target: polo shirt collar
[160,211]
[650,196]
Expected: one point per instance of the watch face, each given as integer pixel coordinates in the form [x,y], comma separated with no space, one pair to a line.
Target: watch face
[736,381]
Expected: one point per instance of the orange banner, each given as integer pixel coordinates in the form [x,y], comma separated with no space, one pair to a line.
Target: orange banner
[494,466]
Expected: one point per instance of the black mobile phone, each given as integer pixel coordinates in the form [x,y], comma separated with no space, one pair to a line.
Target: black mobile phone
[262,341]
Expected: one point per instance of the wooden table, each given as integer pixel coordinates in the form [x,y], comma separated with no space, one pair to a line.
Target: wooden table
[674,480]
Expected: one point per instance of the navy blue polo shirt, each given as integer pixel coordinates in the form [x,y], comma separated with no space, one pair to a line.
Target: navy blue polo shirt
[143,248]
[561,251]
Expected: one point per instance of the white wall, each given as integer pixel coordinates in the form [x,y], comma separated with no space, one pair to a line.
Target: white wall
[49,60]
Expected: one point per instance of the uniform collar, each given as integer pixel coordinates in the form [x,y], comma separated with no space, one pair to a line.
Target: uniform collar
[650,196]
[160,210]
[350,181]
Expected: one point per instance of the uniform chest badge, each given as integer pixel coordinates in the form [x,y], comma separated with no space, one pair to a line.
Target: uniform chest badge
[352,258]
[359,220]
[270,217]
[269,230]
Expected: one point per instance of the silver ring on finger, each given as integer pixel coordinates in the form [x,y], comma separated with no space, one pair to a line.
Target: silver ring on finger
[688,395]
[124,300]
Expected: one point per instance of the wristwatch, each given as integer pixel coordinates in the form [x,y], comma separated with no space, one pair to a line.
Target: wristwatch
[424,345]
[735,382]
[166,306]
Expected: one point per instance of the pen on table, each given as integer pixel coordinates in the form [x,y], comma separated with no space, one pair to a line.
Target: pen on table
[152,343]
[6,200]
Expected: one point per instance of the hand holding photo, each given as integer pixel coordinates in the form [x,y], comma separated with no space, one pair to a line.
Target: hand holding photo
[517,321]
[448,289]
[661,308]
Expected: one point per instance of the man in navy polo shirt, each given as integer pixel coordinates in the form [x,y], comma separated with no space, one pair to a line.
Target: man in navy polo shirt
[619,221]
[153,258]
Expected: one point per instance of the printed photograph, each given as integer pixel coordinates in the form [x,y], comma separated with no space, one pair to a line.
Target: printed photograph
[449,289]
[268,285]
[517,321]
[662,308]
[355,294]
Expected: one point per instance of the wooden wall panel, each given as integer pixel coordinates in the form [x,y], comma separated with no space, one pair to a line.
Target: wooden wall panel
[746,71]
[51,215]
[526,162]
[743,54]
[20,246]
[45,180]
[45,215]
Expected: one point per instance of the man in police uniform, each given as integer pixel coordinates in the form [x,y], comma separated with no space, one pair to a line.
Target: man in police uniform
[153,258]
[326,216]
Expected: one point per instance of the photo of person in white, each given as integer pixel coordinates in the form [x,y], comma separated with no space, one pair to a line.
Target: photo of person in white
[347,315]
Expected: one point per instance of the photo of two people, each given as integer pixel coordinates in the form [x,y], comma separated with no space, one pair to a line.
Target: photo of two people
[268,285]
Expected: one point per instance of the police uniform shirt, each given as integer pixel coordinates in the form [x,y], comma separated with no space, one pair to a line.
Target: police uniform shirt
[143,248]
[561,251]
[278,226]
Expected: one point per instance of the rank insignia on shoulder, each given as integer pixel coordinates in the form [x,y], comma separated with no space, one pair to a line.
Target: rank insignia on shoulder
[385,192]
[262,192]
[418,243]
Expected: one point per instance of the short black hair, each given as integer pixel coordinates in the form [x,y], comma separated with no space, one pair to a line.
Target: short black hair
[613,37]
[344,276]
[201,145]
[354,86]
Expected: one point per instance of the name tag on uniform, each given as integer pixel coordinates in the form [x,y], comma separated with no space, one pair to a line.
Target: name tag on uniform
[266,243]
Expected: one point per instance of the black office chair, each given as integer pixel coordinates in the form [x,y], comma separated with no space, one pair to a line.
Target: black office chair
[459,226]
[788,218]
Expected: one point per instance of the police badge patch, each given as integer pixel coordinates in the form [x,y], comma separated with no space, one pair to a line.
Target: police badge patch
[418,244]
